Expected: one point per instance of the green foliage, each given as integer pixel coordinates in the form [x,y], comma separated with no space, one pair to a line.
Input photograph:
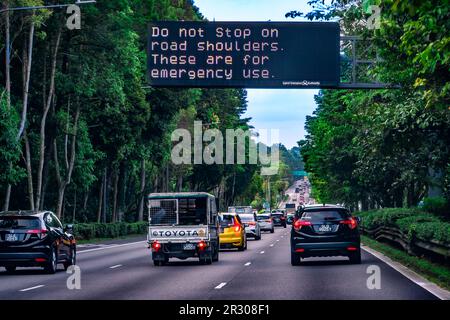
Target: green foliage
[412,222]
[437,205]
[86,231]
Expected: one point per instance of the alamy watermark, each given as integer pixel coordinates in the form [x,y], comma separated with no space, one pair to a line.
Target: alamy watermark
[74,280]
[374,280]
[374,21]
[237,147]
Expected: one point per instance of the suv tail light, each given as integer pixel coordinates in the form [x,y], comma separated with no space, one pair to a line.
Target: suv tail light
[40,233]
[251,223]
[352,223]
[298,224]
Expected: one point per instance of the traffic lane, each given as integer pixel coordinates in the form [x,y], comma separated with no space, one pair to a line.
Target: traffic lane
[133,270]
[271,276]
[178,279]
[87,260]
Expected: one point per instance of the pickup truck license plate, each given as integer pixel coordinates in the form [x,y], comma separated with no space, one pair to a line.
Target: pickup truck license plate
[189,246]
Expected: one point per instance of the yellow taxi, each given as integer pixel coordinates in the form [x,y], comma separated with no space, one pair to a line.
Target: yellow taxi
[232,232]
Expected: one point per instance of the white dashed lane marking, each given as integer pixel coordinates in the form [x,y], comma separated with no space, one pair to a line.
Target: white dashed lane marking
[32,288]
[220,286]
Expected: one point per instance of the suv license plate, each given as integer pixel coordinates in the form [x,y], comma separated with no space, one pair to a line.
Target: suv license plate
[11,237]
[189,246]
[325,228]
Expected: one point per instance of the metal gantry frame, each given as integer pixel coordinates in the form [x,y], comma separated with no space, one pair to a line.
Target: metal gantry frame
[357,59]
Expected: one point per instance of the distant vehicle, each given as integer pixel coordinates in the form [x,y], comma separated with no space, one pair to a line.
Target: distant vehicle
[325,230]
[279,219]
[290,218]
[35,239]
[241,209]
[290,207]
[252,228]
[265,222]
[183,225]
[232,232]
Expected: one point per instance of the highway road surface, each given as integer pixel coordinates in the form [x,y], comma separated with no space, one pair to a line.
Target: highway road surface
[123,269]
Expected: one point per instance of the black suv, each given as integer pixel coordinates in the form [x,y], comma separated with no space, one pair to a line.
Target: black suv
[35,239]
[324,230]
[279,219]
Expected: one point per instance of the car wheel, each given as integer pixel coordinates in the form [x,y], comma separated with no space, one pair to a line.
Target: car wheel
[355,258]
[295,259]
[246,244]
[258,237]
[10,269]
[52,264]
[272,231]
[285,225]
[206,260]
[242,248]
[72,260]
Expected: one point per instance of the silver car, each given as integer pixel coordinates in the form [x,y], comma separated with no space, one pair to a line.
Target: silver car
[266,223]
[252,228]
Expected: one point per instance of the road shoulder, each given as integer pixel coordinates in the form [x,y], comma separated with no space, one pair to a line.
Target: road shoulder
[431,287]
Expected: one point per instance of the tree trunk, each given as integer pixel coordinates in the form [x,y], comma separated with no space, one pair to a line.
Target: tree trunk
[7,86]
[50,98]
[141,192]
[115,193]
[74,207]
[62,184]
[100,202]
[29,172]
[27,65]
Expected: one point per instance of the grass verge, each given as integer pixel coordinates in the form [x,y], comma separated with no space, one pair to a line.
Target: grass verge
[435,272]
[101,240]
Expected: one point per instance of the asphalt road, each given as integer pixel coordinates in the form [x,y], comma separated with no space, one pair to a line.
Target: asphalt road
[125,271]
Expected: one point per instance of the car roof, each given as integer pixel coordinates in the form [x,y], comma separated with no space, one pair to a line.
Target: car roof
[25,213]
[227,213]
[323,206]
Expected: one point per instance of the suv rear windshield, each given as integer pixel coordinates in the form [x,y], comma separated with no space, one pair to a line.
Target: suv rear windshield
[263,217]
[325,215]
[19,223]
[247,217]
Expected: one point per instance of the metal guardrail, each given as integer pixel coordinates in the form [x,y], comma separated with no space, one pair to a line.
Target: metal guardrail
[413,246]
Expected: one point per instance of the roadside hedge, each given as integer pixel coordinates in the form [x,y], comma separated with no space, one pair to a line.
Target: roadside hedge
[415,223]
[86,231]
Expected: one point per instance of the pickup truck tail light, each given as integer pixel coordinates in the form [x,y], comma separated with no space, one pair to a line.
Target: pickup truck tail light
[201,245]
[156,246]
[39,233]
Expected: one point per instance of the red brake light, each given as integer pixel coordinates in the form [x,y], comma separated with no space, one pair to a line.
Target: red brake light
[40,260]
[201,245]
[37,231]
[156,246]
[300,250]
[298,224]
[352,248]
[237,226]
[352,223]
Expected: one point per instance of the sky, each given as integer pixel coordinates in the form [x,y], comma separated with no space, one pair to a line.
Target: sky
[282,109]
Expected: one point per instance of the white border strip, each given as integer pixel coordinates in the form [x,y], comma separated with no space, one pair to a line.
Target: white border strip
[411,275]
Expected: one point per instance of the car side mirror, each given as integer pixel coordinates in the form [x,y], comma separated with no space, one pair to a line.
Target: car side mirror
[68,228]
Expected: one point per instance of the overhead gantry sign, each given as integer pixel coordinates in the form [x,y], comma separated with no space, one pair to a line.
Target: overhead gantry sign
[244,54]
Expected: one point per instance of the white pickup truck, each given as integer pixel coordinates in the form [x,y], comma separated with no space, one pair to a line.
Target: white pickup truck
[183,225]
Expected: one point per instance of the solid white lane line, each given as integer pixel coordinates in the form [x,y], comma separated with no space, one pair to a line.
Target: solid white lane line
[220,286]
[32,288]
[247,264]
[278,240]
[116,266]
[111,246]
[262,252]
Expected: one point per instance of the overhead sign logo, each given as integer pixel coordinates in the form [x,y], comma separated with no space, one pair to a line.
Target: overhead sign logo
[243,54]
